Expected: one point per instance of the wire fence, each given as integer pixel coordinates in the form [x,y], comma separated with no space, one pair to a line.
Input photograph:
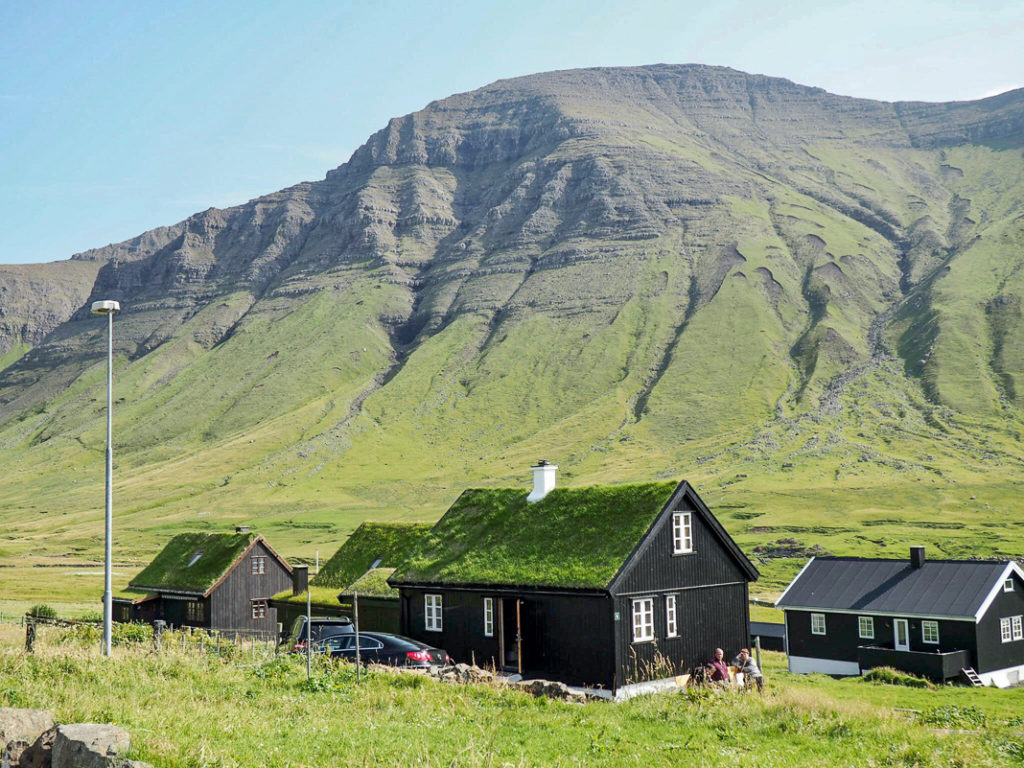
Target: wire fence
[156,638]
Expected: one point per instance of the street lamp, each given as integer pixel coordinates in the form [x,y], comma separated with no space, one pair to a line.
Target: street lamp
[108,308]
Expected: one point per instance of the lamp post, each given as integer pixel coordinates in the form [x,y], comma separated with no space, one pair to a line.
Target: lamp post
[108,308]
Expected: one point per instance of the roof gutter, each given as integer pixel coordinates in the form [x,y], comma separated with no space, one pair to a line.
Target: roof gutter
[504,589]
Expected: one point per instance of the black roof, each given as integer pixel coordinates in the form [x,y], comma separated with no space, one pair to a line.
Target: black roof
[942,588]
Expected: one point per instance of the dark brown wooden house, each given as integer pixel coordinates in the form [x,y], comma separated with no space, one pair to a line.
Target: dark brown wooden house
[217,581]
[362,563]
[599,586]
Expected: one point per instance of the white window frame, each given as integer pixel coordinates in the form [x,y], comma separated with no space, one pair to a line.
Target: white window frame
[671,622]
[866,627]
[1005,633]
[259,609]
[259,565]
[926,637]
[1017,624]
[643,620]
[682,533]
[433,612]
[488,617]
[1008,585]
[818,626]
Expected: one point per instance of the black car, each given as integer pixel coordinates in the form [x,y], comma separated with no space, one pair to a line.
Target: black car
[322,630]
[383,648]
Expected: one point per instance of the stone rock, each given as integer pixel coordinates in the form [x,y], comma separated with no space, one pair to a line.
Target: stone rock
[40,754]
[464,673]
[550,689]
[89,745]
[20,729]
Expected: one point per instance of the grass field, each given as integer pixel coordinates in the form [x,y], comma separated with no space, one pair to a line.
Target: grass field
[191,710]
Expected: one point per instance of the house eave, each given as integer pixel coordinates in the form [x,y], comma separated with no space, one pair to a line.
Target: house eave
[892,614]
[501,588]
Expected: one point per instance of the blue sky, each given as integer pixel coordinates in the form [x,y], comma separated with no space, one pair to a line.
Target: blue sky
[118,117]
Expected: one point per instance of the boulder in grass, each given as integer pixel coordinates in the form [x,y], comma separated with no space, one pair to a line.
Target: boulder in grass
[20,729]
[39,755]
[90,745]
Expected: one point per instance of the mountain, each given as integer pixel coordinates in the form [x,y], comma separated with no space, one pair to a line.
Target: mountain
[808,303]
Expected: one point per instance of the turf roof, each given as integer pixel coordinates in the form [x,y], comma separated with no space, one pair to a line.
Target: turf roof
[177,567]
[390,542]
[373,583]
[574,537]
[324,596]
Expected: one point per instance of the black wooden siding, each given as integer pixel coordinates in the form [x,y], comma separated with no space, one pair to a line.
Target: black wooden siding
[653,567]
[992,652]
[707,618]
[565,637]
[842,635]
[230,604]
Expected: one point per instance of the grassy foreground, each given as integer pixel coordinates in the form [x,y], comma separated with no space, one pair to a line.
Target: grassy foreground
[189,709]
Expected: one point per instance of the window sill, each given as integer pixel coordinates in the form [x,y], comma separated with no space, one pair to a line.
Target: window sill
[683,554]
[643,642]
[430,629]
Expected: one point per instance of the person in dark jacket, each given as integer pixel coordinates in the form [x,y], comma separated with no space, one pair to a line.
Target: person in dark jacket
[718,670]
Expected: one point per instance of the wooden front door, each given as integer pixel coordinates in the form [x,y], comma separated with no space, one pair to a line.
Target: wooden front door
[901,634]
[510,636]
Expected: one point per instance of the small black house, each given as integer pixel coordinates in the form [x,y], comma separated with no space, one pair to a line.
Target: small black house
[212,580]
[361,564]
[932,618]
[599,585]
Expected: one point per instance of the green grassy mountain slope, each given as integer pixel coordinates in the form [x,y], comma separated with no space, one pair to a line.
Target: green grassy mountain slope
[807,304]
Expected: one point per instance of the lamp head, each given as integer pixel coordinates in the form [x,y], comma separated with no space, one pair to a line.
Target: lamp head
[105,307]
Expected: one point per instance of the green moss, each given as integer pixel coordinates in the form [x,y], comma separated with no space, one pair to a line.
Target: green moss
[391,543]
[574,537]
[373,583]
[178,567]
[324,596]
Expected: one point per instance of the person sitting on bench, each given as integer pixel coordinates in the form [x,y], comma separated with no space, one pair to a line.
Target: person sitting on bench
[751,673]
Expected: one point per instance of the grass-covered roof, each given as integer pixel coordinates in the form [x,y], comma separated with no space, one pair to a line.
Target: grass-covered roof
[574,537]
[390,543]
[193,562]
[373,583]
[325,596]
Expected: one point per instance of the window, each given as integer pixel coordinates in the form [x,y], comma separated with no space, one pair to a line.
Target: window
[1008,585]
[1018,631]
[817,623]
[259,564]
[489,617]
[259,609]
[643,620]
[865,627]
[432,614]
[1005,633]
[682,533]
[671,629]
[194,610]
[930,631]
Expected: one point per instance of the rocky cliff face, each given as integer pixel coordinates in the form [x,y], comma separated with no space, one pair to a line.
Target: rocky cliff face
[590,260]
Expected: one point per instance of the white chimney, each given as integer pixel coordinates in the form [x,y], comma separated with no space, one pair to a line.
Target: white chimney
[543,480]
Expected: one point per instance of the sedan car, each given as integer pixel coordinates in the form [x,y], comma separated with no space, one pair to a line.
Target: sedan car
[384,648]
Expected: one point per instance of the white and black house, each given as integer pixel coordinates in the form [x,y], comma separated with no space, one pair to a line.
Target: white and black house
[936,618]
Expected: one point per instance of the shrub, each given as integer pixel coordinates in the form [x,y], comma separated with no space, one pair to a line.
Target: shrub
[890,676]
[42,611]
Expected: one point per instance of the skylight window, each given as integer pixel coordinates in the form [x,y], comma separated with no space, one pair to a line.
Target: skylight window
[376,563]
[195,557]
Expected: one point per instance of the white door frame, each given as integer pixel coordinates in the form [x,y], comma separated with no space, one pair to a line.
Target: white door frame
[905,646]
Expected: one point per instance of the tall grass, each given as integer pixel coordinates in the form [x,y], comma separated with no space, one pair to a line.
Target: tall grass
[197,710]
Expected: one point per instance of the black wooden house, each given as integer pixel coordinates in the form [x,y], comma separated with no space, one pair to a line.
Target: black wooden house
[217,581]
[936,618]
[599,586]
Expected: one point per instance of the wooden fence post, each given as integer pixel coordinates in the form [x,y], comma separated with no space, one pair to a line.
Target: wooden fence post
[30,635]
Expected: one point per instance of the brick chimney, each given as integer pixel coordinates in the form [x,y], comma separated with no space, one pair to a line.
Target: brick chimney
[543,480]
[917,557]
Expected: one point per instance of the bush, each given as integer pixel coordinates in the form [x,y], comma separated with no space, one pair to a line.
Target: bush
[890,676]
[42,611]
